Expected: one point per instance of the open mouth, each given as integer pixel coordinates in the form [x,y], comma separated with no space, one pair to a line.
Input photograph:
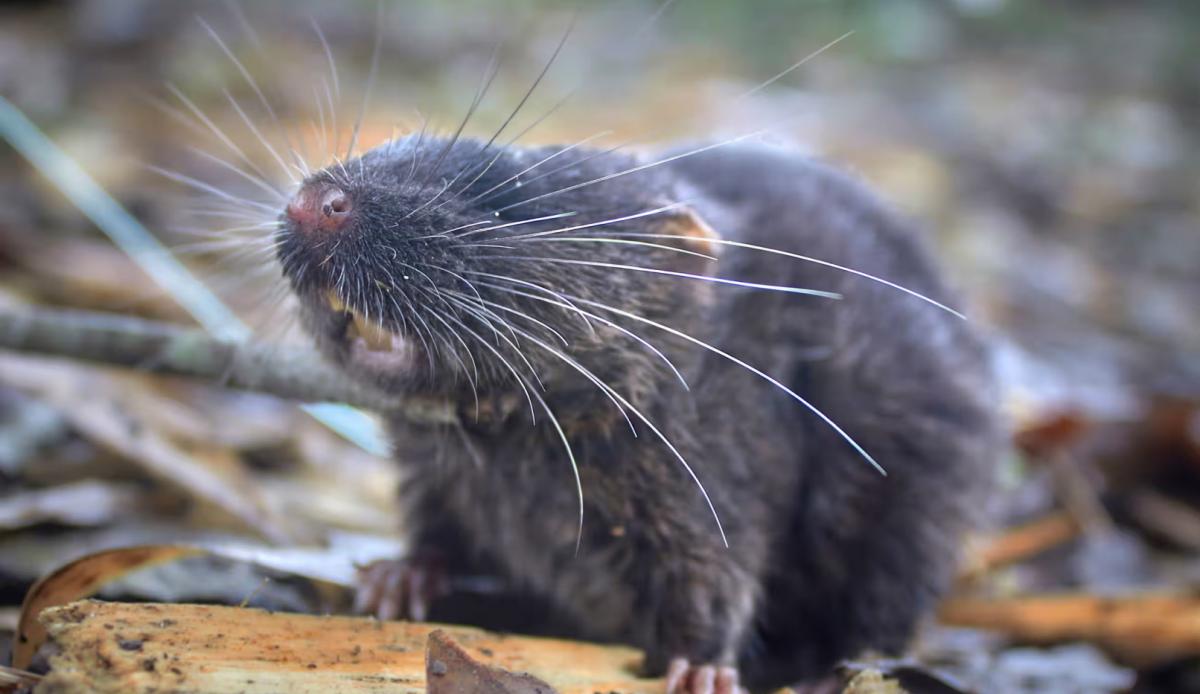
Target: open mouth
[369,342]
[358,328]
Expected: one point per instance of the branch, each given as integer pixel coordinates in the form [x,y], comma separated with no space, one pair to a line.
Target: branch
[162,348]
[1142,629]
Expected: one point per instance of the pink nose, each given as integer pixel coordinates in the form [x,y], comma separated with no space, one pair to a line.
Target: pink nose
[319,207]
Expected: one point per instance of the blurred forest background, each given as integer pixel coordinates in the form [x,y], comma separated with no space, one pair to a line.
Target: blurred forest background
[1050,148]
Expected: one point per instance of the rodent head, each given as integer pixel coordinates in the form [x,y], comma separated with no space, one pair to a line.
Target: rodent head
[452,268]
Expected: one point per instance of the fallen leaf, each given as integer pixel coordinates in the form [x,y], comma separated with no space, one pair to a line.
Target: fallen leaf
[79,579]
[449,669]
[1020,543]
[1051,434]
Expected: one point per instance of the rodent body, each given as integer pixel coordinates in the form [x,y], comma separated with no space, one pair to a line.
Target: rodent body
[825,557]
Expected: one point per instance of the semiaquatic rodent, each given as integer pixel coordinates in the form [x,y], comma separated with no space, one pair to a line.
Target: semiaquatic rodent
[426,237]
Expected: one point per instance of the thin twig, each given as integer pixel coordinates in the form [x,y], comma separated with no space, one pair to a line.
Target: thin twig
[148,252]
[163,348]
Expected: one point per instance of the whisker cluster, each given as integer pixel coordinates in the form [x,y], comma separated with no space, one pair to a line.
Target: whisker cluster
[445,274]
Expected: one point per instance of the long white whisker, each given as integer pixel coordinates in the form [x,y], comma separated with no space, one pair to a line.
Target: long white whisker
[300,158]
[333,72]
[595,379]
[262,98]
[548,217]
[540,288]
[322,136]
[489,76]
[241,69]
[255,180]
[649,23]
[212,190]
[460,278]
[613,394]
[569,165]
[623,242]
[215,130]
[770,379]
[529,391]
[412,172]
[486,316]
[533,87]
[333,125]
[520,314]
[588,314]
[540,119]
[589,225]
[331,95]
[633,39]
[562,435]
[429,344]
[626,144]
[189,121]
[428,202]
[526,170]
[241,233]
[521,104]
[454,353]
[362,111]
[636,169]
[672,273]
[239,215]
[795,66]
[797,256]
[239,246]
[474,366]
[262,139]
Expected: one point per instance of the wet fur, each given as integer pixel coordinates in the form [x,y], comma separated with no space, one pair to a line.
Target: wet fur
[825,557]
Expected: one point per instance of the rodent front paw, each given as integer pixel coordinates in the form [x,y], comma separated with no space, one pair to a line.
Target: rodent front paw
[401,588]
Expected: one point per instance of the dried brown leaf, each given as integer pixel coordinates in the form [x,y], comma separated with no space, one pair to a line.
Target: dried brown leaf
[79,579]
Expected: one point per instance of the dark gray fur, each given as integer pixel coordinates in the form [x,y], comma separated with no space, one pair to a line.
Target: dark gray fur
[826,557]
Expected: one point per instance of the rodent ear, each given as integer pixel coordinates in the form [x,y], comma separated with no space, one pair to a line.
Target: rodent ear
[691,233]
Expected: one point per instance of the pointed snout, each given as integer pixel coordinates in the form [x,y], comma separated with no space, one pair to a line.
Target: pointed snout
[319,207]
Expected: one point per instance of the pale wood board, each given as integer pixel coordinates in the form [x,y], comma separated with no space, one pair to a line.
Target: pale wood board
[141,648]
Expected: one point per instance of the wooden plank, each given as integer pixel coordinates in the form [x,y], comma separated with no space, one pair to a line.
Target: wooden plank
[132,648]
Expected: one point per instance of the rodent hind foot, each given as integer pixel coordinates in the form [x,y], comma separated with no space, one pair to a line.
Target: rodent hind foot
[685,678]
[401,588]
